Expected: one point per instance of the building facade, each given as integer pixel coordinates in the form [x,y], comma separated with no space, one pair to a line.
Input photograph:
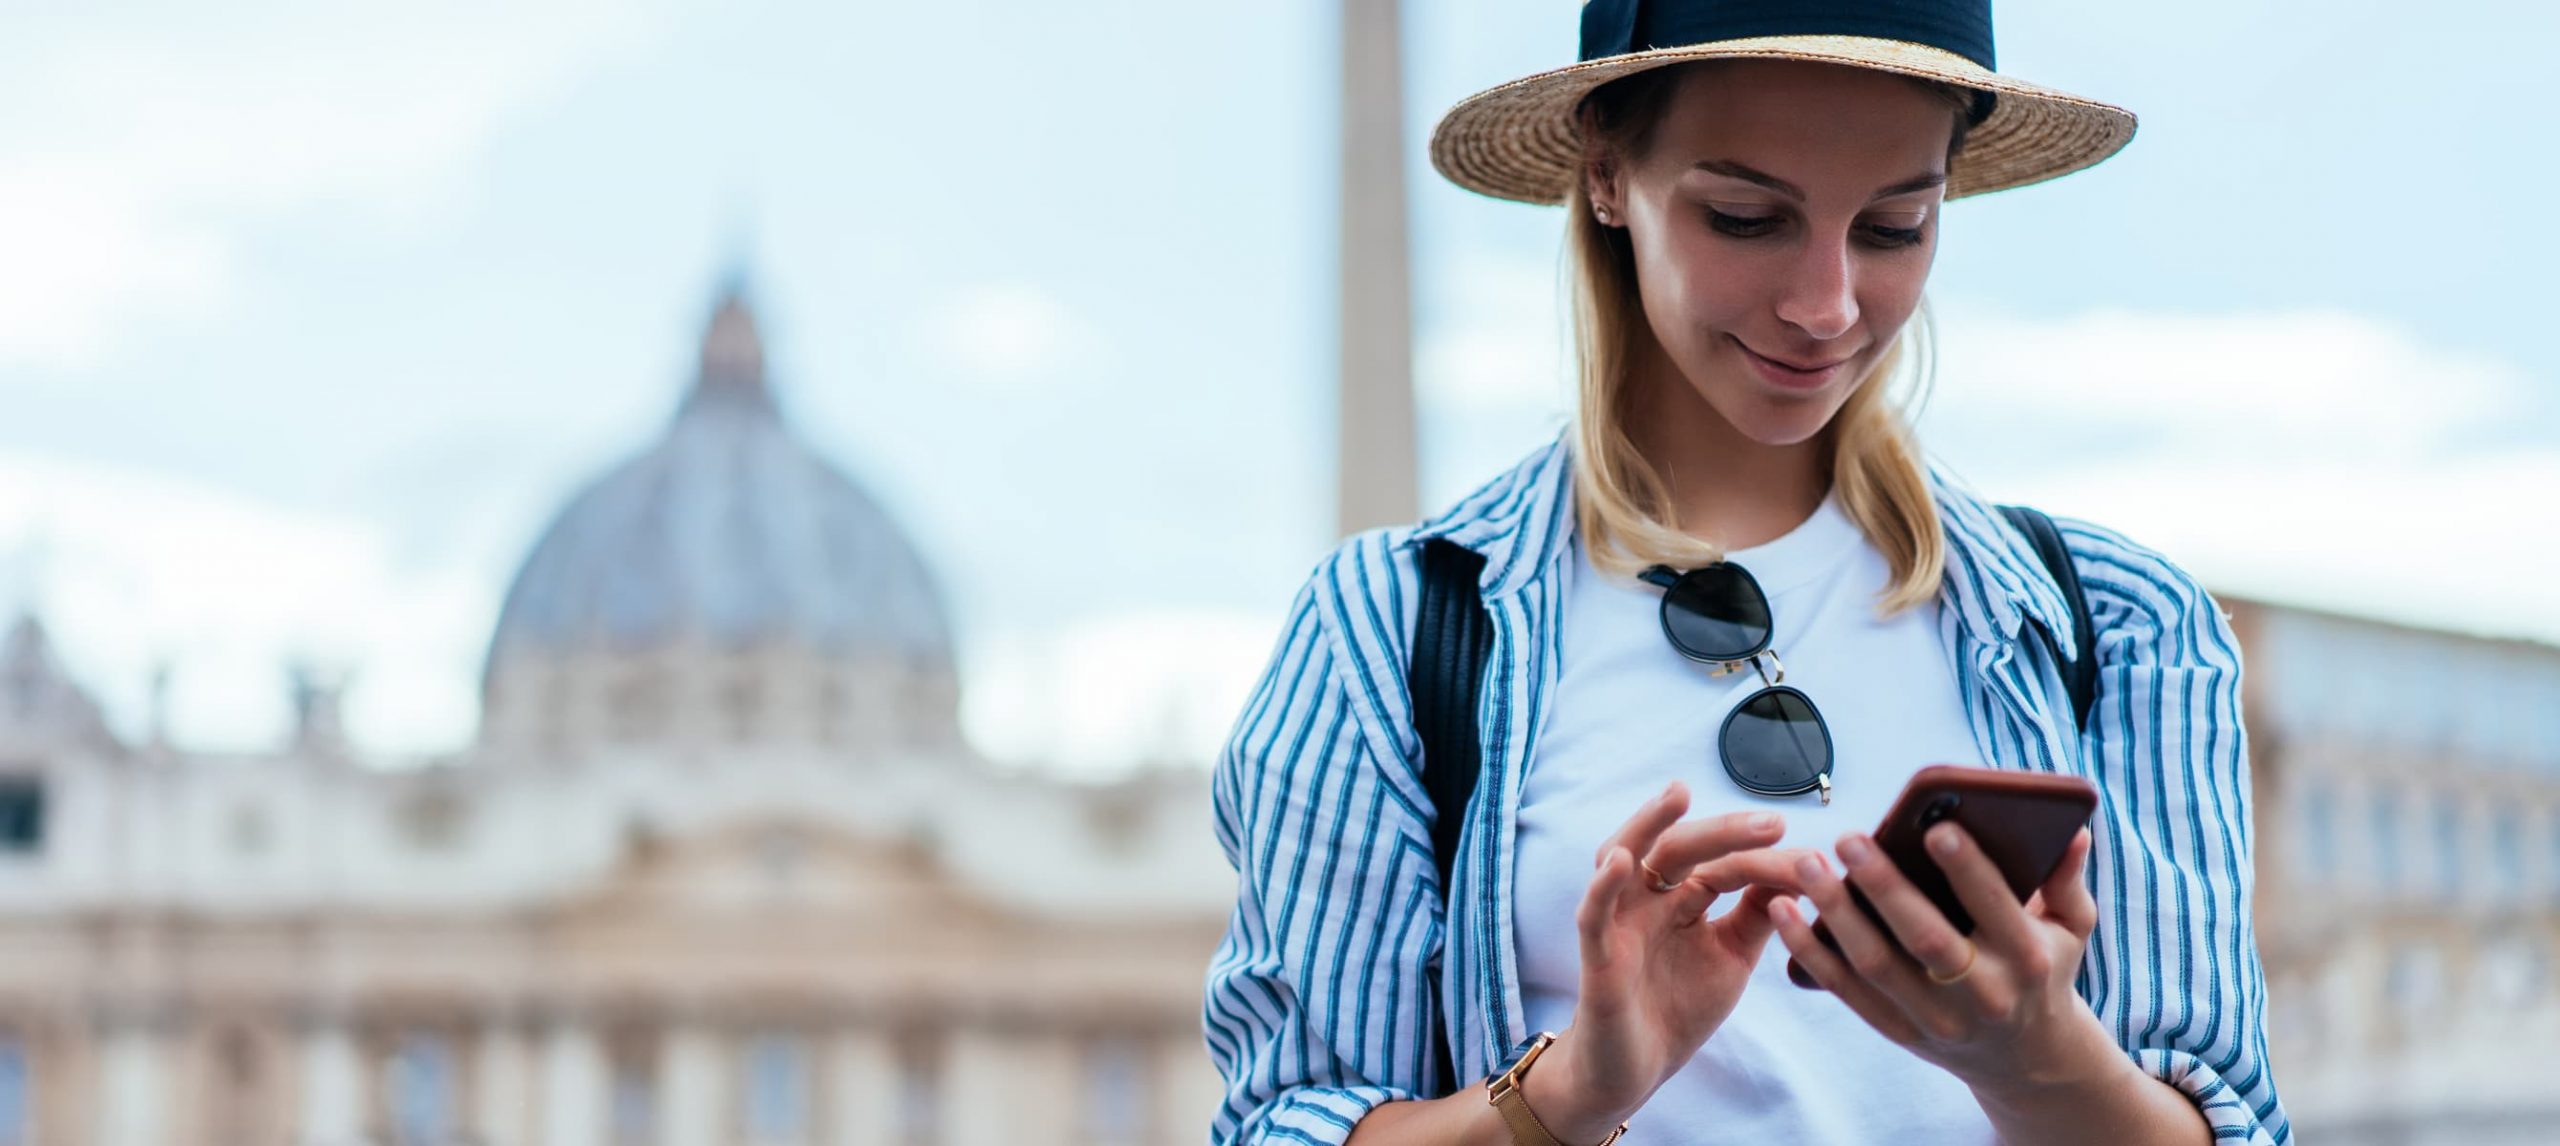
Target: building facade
[721,870]
[2408,860]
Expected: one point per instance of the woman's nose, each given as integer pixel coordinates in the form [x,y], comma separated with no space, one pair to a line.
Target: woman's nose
[1820,294]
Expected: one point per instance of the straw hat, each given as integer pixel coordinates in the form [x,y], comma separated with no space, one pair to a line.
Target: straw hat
[1518,141]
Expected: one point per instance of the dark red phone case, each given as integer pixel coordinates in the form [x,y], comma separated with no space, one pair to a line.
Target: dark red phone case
[2023,820]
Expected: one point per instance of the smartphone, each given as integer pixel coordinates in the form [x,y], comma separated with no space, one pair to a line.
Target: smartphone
[2023,820]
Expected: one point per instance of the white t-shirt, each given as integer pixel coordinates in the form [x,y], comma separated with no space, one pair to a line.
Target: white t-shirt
[1790,1065]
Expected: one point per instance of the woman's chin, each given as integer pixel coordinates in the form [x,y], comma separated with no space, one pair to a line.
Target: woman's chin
[1778,424]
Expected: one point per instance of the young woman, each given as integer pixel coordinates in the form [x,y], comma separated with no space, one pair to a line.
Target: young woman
[1752,193]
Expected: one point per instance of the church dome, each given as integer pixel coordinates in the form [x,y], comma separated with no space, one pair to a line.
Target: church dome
[731,550]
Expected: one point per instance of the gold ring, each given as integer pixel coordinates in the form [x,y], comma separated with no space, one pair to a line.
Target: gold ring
[1944,980]
[1659,884]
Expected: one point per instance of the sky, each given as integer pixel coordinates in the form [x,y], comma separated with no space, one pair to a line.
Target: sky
[313,314]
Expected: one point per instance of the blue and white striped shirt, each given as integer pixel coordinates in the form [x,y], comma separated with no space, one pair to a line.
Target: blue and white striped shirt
[1319,999]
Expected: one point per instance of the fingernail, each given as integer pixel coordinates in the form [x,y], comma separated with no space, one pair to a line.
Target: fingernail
[1853,850]
[1943,841]
[1809,868]
[1764,821]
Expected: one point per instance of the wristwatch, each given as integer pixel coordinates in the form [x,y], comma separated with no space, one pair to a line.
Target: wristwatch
[1503,1091]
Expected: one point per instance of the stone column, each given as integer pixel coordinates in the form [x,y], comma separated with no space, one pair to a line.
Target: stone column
[976,1073]
[1376,412]
[867,1084]
[133,1084]
[502,1107]
[332,1083]
[573,1085]
[1003,1086]
[1186,1088]
[691,1102]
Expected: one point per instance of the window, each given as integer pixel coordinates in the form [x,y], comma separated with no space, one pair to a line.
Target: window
[251,833]
[421,1090]
[634,1113]
[2385,842]
[2414,982]
[2506,850]
[777,1090]
[2448,829]
[17,1090]
[639,707]
[2551,873]
[919,1092]
[431,819]
[239,1096]
[742,701]
[1116,1093]
[2319,834]
[21,814]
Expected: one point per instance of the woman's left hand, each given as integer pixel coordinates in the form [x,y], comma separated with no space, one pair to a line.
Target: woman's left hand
[1996,1009]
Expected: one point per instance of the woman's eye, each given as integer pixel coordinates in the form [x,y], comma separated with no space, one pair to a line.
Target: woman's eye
[1884,236]
[1741,226]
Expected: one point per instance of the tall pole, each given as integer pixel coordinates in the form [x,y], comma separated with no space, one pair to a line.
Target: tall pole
[1376,465]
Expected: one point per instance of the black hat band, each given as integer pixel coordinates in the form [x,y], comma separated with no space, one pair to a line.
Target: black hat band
[1617,27]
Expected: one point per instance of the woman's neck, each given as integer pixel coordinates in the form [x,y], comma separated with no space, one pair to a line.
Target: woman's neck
[1724,488]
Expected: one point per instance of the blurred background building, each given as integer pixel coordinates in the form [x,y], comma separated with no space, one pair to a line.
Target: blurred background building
[2408,856]
[721,869]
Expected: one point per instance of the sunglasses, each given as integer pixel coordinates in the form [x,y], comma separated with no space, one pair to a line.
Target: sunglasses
[1774,743]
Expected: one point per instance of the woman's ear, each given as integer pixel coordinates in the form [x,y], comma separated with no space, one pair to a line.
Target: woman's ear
[1600,185]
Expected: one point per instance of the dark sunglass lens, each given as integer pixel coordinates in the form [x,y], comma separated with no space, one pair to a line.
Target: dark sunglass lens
[1775,743]
[1717,614]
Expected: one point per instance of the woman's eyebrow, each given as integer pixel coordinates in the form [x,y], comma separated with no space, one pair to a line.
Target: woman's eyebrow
[1749,174]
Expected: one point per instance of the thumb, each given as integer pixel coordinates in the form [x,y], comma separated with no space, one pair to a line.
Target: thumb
[1748,926]
[1600,905]
[2066,892]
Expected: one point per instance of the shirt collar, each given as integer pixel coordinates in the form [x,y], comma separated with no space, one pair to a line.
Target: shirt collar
[1522,523]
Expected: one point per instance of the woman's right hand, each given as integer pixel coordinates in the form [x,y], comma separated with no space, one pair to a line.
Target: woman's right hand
[1658,977]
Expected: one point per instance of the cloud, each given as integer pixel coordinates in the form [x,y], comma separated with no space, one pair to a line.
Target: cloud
[2304,386]
[2320,459]
[1505,348]
[1012,333]
[131,570]
[1110,691]
[154,140]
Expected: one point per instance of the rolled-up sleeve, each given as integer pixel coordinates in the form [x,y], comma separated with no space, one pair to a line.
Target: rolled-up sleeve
[2173,968]
[1318,1002]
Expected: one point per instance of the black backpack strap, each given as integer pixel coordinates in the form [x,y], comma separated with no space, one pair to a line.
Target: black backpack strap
[1452,640]
[2082,674]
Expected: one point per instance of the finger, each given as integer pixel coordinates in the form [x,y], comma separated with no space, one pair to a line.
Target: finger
[1683,846]
[1915,924]
[1835,975]
[2066,892]
[1999,920]
[1748,926]
[1641,829]
[1600,906]
[1687,902]
[1868,951]
[1770,867]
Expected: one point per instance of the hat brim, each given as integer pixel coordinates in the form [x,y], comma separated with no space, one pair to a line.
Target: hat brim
[1518,141]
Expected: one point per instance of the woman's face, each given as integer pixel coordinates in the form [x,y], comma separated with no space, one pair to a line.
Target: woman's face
[1783,220]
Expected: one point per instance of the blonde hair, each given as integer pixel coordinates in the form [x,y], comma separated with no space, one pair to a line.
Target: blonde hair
[1621,502]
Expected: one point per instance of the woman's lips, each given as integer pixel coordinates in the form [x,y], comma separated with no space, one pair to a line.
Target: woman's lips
[1787,376]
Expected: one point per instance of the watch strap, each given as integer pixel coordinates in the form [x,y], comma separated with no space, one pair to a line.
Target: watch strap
[1507,1099]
